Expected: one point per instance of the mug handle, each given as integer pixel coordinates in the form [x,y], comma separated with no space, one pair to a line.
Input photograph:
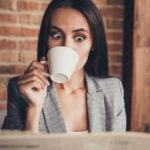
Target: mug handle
[45,73]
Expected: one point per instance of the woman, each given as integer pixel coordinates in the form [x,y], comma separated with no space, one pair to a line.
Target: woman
[90,101]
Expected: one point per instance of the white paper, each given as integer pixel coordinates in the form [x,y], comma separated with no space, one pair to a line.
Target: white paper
[102,141]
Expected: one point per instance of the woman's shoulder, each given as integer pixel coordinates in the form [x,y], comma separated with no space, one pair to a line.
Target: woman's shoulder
[14,94]
[12,86]
[12,82]
[111,85]
[107,84]
[108,80]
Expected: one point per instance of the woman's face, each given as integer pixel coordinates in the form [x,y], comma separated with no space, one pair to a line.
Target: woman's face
[70,28]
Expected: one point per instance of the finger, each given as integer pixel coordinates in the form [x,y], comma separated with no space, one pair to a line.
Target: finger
[30,85]
[36,64]
[43,76]
[35,73]
[30,79]
[43,59]
[44,62]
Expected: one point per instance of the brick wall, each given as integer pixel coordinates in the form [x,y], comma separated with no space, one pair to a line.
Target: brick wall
[19,26]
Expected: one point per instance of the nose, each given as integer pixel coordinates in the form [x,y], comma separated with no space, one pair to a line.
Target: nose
[68,43]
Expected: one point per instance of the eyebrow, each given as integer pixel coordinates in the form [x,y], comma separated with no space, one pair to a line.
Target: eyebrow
[76,30]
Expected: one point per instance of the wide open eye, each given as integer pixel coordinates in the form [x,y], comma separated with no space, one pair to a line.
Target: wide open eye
[56,35]
[80,38]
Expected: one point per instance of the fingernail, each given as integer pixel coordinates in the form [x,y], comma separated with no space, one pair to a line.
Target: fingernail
[43,58]
[48,83]
[43,62]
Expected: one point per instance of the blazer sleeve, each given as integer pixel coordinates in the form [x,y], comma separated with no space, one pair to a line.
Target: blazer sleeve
[119,123]
[15,107]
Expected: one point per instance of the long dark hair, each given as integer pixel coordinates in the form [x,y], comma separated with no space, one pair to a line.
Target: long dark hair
[97,63]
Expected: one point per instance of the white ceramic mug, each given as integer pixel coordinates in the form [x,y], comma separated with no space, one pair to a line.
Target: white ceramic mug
[61,62]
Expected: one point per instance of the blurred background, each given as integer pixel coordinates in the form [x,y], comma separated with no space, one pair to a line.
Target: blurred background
[127,26]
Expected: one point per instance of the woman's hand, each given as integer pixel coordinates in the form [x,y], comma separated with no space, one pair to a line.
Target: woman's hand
[33,84]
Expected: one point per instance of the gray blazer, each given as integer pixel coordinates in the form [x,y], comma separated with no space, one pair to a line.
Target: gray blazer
[105,106]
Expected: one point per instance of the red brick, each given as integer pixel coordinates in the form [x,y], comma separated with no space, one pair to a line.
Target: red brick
[112,12]
[3,82]
[24,19]
[8,56]
[19,69]
[114,24]
[36,20]
[115,69]
[3,105]
[3,93]
[100,3]
[44,5]
[115,58]
[114,36]
[6,4]
[115,2]
[30,19]
[6,69]
[10,18]
[114,47]
[28,45]
[8,44]
[27,56]
[16,31]
[12,69]
[27,5]
[9,31]
[29,32]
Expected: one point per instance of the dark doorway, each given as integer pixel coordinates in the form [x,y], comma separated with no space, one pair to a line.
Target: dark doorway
[127,56]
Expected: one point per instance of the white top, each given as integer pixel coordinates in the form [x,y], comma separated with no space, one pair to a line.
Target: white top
[77,132]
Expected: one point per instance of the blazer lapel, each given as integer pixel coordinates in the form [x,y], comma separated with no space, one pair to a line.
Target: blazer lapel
[95,106]
[53,117]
